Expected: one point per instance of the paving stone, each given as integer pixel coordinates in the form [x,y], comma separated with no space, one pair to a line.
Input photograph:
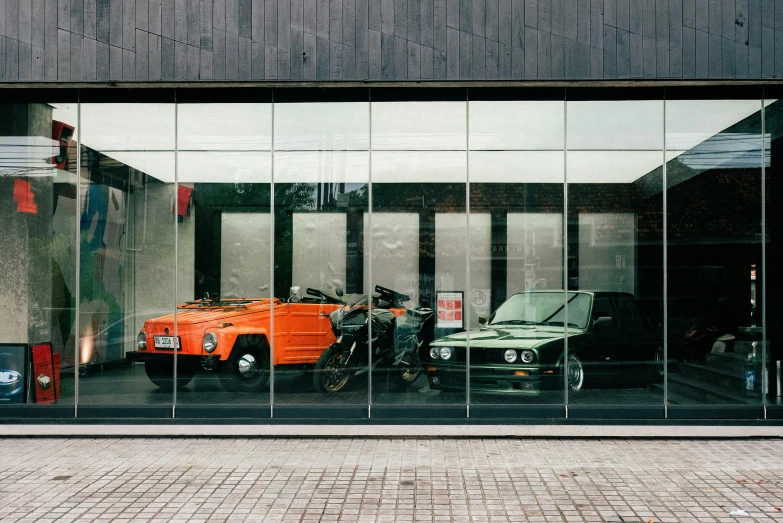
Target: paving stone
[404,480]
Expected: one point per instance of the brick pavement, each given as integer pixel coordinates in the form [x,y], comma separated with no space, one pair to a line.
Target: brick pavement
[483,480]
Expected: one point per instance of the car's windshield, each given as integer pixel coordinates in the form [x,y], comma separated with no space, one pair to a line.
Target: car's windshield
[543,308]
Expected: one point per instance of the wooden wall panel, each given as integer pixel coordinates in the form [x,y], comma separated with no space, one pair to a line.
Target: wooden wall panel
[217,40]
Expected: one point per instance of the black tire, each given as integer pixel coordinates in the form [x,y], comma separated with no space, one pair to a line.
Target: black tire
[404,376]
[247,368]
[327,376]
[161,373]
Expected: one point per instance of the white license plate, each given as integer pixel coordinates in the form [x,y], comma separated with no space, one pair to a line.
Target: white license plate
[165,342]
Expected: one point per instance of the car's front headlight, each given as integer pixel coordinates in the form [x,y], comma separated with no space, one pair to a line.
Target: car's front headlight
[510,355]
[141,340]
[445,353]
[434,353]
[209,342]
[526,356]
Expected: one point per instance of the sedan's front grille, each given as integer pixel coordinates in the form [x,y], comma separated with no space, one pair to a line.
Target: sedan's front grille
[479,356]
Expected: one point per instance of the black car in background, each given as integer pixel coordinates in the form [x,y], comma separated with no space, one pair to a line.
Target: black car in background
[521,348]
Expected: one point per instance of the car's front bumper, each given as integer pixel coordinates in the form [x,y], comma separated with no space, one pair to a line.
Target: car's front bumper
[517,379]
[144,356]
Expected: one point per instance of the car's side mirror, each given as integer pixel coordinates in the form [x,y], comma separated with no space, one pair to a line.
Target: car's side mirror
[482,320]
[296,295]
[339,292]
[602,323]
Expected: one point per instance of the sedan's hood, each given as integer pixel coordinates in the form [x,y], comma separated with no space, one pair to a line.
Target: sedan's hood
[516,336]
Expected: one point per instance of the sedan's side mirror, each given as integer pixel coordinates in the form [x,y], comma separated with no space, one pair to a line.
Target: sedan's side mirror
[339,292]
[601,324]
[296,295]
[482,320]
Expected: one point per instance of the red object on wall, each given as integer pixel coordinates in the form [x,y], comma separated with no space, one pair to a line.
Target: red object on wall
[43,373]
[184,200]
[62,134]
[24,197]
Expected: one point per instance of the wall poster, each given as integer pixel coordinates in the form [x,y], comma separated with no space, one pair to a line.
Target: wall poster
[449,309]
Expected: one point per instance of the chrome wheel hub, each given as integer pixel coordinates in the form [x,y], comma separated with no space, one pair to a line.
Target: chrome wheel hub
[248,366]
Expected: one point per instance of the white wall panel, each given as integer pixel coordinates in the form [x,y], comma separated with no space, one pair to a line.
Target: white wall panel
[534,252]
[319,250]
[395,253]
[244,255]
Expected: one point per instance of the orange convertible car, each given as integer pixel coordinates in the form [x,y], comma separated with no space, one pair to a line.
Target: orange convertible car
[231,337]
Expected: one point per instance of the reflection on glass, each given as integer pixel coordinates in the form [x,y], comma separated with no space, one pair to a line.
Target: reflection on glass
[714,254]
[615,250]
[127,234]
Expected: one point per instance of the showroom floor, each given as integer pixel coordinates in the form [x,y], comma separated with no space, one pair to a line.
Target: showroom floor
[129,385]
[355,479]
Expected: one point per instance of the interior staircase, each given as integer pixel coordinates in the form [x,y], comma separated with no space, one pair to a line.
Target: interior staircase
[720,380]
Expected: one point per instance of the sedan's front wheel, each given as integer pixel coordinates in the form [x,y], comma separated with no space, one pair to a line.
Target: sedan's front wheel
[575,372]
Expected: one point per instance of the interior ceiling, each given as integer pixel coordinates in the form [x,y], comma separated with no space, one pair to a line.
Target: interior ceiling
[608,141]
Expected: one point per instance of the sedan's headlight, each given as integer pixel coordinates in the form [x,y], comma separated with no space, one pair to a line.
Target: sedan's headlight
[510,355]
[434,353]
[141,340]
[526,356]
[209,342]
[445,353]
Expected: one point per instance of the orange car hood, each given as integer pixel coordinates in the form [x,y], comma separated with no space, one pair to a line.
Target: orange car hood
[194,312]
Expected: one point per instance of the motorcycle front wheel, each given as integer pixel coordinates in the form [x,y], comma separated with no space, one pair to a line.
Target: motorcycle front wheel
[328,376]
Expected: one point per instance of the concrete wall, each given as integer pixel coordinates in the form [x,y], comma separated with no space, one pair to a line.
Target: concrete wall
[189,40]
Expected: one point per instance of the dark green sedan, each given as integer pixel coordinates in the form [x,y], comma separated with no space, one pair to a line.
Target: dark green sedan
[521,347]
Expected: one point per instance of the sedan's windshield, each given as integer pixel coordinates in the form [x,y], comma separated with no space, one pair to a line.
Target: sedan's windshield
[543,308]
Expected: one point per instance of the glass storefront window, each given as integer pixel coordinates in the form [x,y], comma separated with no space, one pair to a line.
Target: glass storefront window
[128,231]
[416,236]
[516,262]
[224,240]
[715,154]
[321,183]
[615,247]
[39,349]
[390,253]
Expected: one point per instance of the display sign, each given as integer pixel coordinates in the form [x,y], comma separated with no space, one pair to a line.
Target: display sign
[450,312]
[12,373]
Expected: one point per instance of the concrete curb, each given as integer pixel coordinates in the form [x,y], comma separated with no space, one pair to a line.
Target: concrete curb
[396,431]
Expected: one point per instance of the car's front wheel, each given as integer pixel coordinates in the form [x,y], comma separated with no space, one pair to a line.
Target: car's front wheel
[575,373]
[246,369]
[161,373]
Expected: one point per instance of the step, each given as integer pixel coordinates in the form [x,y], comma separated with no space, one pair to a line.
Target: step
[726,360]
[672,398]
[706,393]
[731,380]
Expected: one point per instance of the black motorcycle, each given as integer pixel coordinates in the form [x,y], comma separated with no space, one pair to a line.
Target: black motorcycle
[397,340]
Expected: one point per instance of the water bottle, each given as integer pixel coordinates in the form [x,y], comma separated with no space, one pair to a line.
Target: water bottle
[750,373]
